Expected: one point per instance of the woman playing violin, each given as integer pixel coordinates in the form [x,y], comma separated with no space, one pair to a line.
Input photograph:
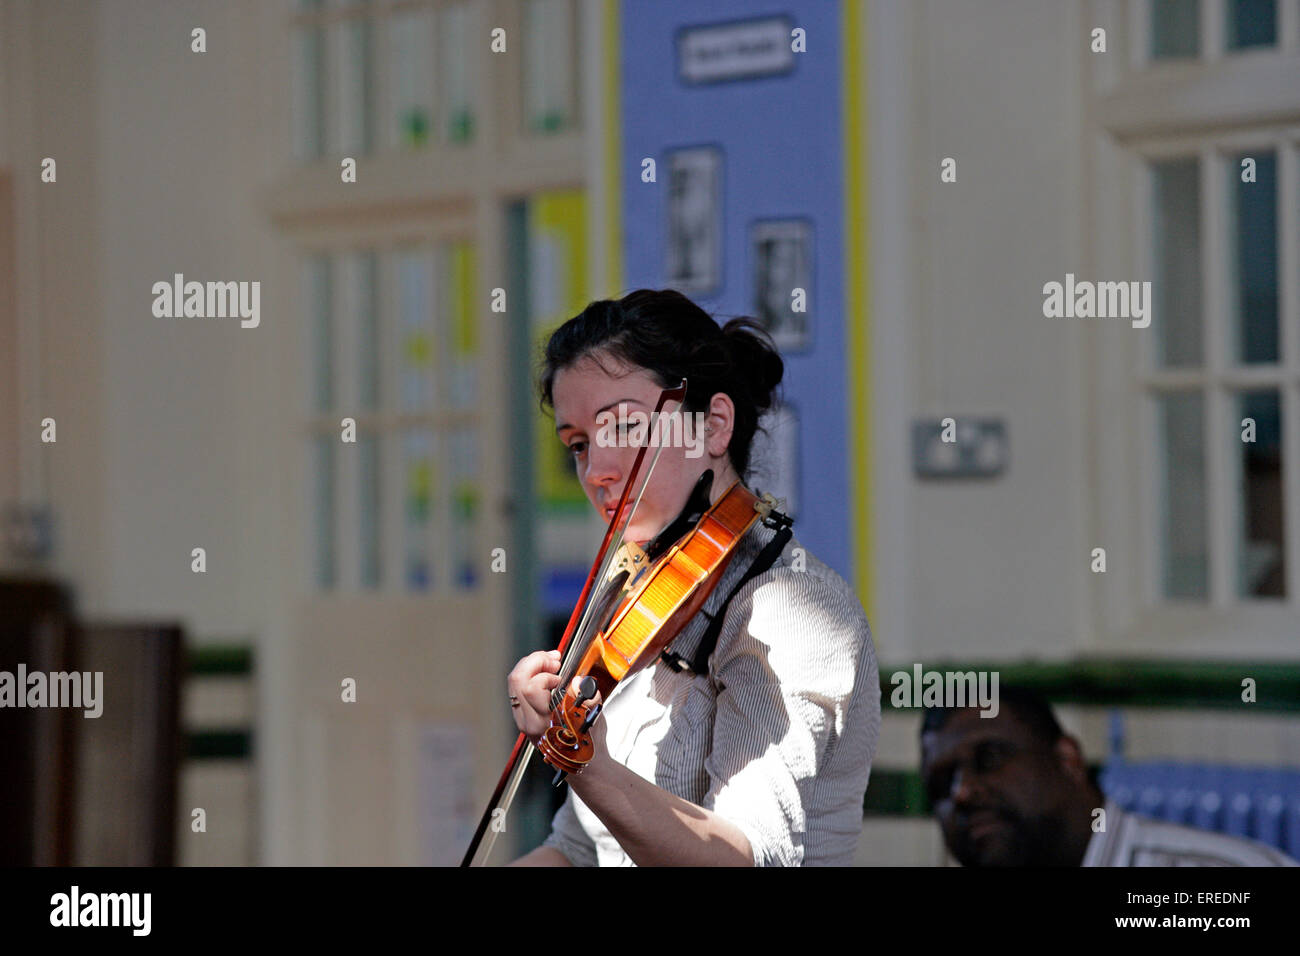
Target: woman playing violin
[762,757]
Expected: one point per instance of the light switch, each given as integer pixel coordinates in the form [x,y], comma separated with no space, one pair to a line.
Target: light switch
[978,448]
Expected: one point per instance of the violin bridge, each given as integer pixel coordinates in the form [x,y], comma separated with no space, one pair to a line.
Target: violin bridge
[631,557]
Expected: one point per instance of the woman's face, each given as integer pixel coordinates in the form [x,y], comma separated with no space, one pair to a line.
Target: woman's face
[604,451]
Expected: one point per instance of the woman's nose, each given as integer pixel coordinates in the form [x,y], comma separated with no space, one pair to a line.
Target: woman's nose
[603,465]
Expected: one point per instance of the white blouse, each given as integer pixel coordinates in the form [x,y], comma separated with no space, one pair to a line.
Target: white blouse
[778,737]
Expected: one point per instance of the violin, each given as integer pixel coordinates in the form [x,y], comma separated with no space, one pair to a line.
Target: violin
[634,602]
[667,597]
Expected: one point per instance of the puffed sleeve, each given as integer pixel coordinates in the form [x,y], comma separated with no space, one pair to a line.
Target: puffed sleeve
[792,652]
[568,836]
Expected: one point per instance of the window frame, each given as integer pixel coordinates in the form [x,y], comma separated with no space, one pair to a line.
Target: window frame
[386,423]
[1212,32]
[574,28]
[385,138]
[1130,122]
[1219,378]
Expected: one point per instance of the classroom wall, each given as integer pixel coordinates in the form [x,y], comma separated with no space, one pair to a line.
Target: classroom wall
[169,433]
[162,434]
[997,566]
[998,569]
[185,141]
[50,110]
[781,144]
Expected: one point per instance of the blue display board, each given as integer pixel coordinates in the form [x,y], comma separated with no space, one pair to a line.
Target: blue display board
[747,141]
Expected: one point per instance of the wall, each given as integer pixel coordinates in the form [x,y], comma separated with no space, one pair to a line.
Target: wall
[171,433]
[997,567]
[191,463]
[51,111]
[782,157]
[160,437]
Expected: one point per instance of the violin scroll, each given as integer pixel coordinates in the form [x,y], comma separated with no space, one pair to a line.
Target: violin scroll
[563,746]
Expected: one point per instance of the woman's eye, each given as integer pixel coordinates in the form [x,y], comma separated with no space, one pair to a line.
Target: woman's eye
[577,448]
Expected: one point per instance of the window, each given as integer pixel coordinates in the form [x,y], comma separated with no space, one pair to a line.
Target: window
[310,132]
[550,77]
[1196,180]
[1175,29]
[1222,384]
[1250,23]
[382,76]
[394,347]
[351,45]
[456,40]
[411,34]
[1190,29]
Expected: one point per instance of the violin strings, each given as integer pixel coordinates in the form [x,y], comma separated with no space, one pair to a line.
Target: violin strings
[569,664]
[582,637]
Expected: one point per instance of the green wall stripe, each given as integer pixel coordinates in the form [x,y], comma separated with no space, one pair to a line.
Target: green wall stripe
[219,745]
[1119,682]
[219,659]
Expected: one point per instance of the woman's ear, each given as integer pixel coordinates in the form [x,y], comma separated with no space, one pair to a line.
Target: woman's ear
[719,423]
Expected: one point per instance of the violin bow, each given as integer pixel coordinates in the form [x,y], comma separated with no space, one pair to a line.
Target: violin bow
[522,753]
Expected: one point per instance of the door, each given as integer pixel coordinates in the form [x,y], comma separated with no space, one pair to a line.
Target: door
[402,622]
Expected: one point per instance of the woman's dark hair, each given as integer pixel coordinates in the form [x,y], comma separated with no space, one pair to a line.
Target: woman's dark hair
[670,336]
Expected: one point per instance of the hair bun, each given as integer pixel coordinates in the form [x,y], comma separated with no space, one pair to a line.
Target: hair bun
[755,355]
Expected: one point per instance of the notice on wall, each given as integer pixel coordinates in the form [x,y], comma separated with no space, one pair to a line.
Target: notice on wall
[446,784]
[733,51]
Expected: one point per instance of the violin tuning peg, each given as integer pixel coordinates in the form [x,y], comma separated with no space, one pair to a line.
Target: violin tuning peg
[586,689]
[591,719]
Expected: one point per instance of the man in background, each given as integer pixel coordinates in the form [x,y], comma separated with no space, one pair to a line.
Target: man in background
[1014,790]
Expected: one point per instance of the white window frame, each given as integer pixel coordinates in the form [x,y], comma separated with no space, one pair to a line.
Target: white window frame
[1141,110]
[386,423]
[1217,378]
[385,138]
[1213,41]
[573,28]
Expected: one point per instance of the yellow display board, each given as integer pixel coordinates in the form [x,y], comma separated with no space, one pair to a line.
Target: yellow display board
[557,242]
